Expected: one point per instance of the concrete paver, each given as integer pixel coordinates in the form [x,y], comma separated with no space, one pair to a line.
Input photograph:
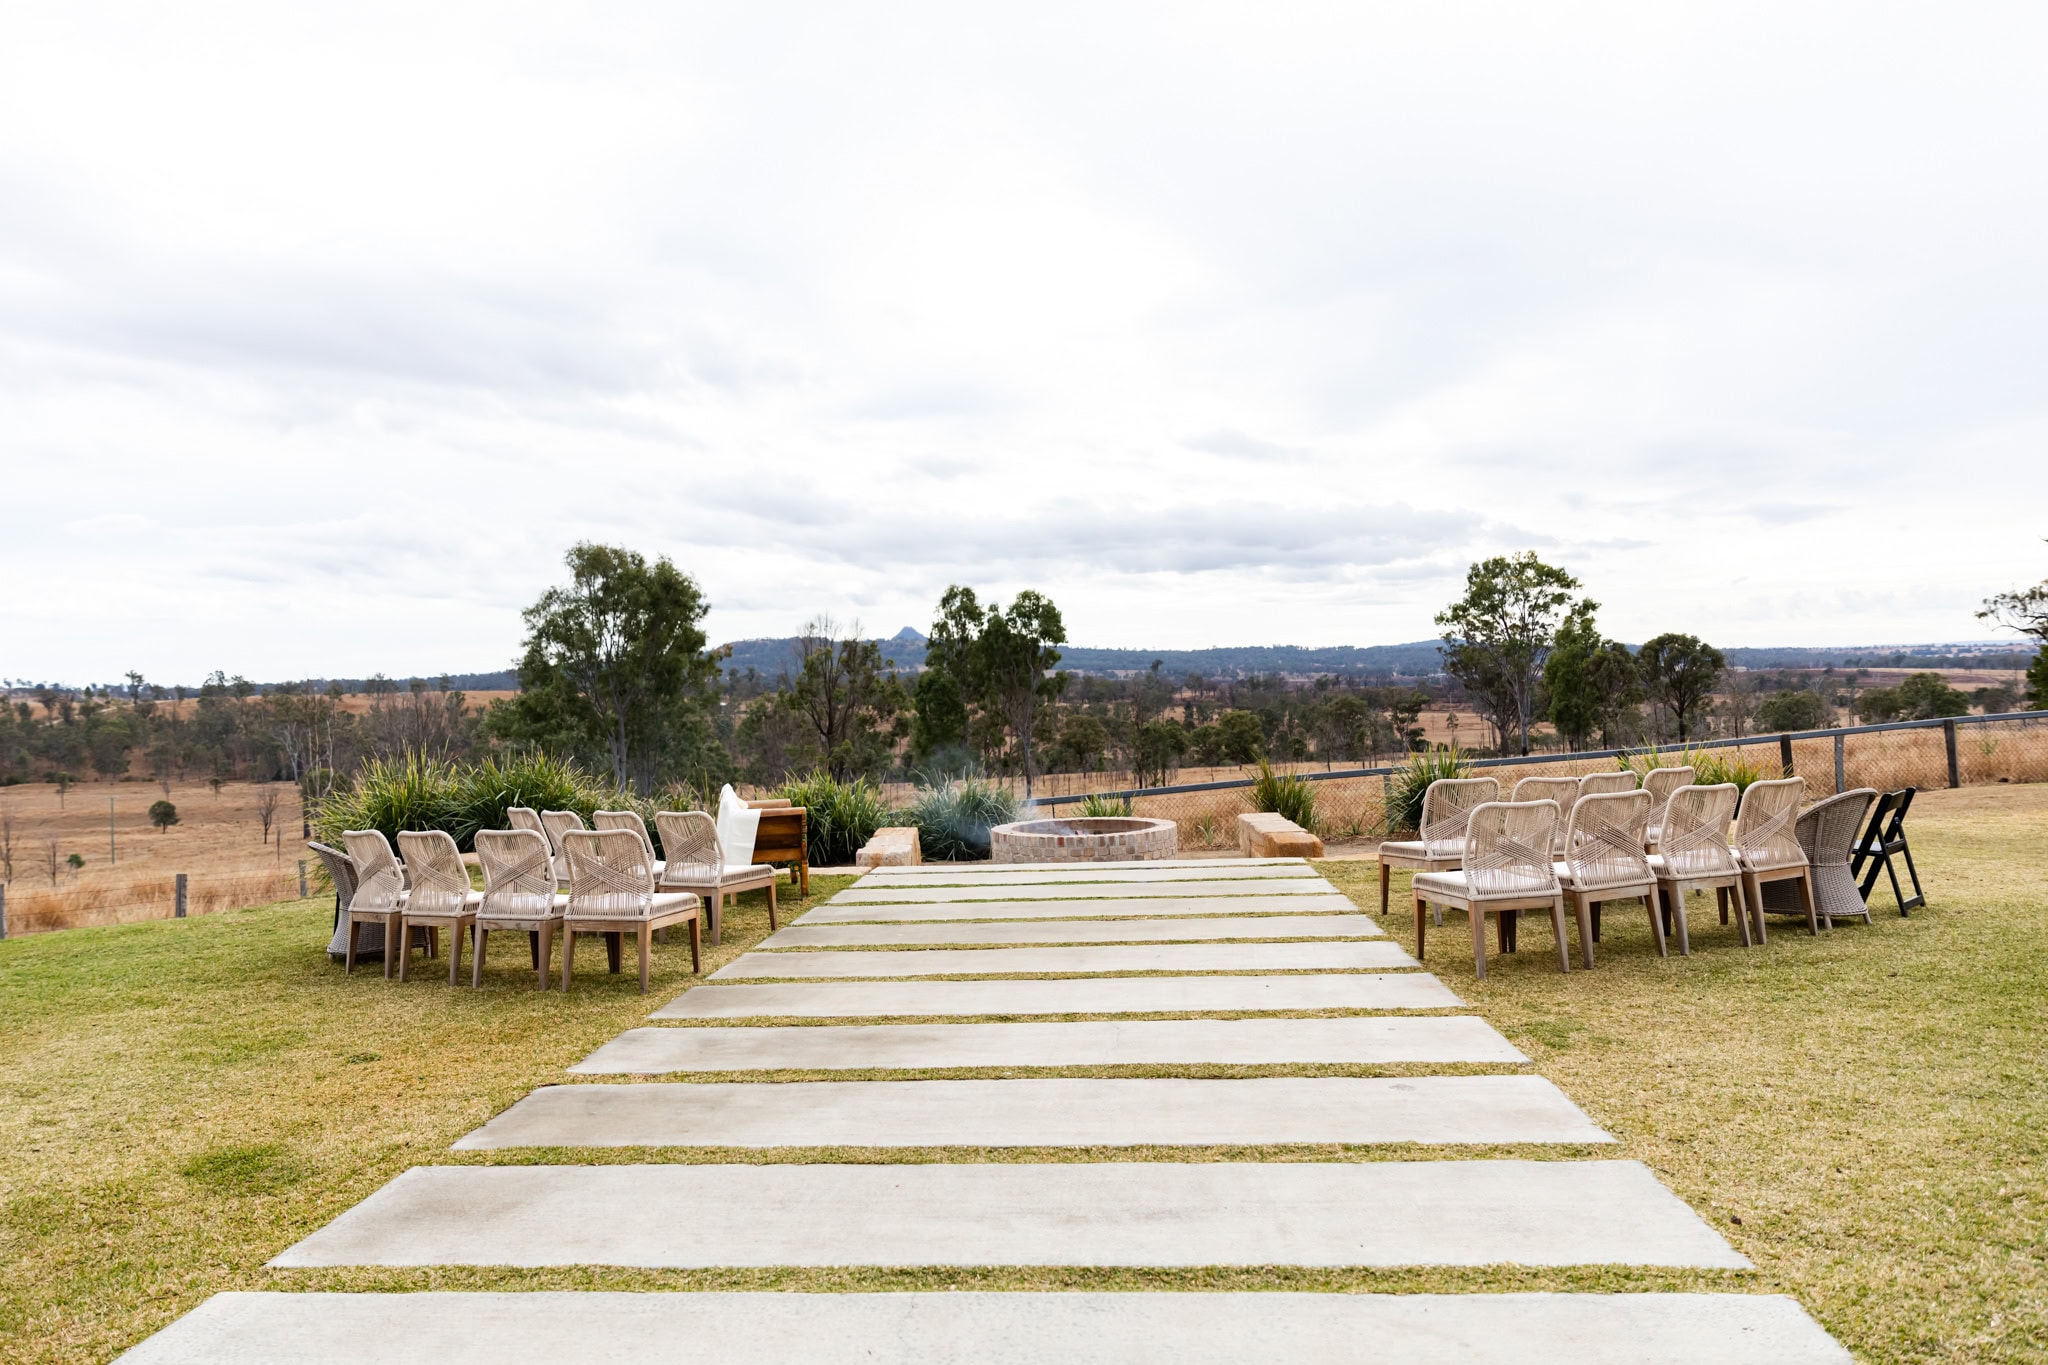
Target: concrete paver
[1124,995]
[1106,1042]
[993,1329]
[1372,1213]
[1326,956]
[1076,931]
[1088,872]
[1165,1112]
[864,892]
[1335,902]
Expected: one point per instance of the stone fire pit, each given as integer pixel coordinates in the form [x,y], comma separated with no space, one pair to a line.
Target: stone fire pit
[1084,839]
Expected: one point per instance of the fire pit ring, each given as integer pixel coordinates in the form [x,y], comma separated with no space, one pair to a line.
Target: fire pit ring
[1084,839]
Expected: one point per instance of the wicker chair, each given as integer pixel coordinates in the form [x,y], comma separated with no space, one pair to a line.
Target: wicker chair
[1692,854]
[1660,783]
[627,819]
[525,817]
[1604,861]
[1827,831]
[441,897]
[611,891]
[1507,869]
[556,823]
[696,864]
[519,893]
[1562,790]
[341,870]
[379,897]
[1599,784]
[1769,850]
[1446,806]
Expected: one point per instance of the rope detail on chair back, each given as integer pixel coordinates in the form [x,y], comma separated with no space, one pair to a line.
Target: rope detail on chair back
[1564,791]
[379,883]
[690,839]
[525,817]
[1764,833]
[1599,784]
[1446,806]
[519,875]
[1660,783]
[440,883]
[624,819]
[1605,845]
[1693,834]
[556,823]
[610,874]
[1507,848]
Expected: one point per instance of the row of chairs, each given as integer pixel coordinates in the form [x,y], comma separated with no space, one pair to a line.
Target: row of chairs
[1579,842]
[546,875]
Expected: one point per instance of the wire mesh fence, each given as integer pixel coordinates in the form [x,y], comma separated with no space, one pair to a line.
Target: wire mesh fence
[1353,803]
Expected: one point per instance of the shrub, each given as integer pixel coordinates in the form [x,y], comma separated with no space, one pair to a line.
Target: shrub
[953,818]
[163,815]
[419,793]
[1411,784]
[843,815]
[1791,711]
[1710,767]
[1099,806]
[1287,797]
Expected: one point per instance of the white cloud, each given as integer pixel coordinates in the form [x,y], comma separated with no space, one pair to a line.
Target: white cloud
[323,333]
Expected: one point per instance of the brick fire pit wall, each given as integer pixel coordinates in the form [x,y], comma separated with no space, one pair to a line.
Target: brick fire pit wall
[1084,839]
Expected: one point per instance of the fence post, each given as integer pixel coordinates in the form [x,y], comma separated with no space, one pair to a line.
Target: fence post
[1840,784]
[180,912]
[1387,801]
[1955,768]
[302,879]
[3,910]
[1785,754]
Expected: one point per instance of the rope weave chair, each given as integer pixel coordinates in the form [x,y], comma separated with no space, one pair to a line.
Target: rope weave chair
[1604,861]
[519,893]
[1693,855]
[1767,846]
[1599,784]
[379,897]
[611,890]
[1446,805]
[696,864]
[1507,869]
[627,819]
[1563,790]
[1660,783]
[1827,831]
[556,823]
[441,897]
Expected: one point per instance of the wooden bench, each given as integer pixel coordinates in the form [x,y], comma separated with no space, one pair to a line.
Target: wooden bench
[891,846]
[784,837]
[1262,834]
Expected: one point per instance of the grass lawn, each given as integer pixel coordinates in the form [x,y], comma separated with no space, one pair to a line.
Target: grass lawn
[1861,1114]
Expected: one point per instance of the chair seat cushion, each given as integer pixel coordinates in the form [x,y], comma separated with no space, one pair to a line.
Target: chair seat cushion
[469,904]
[1447,883]
[754,874]
[1570,883]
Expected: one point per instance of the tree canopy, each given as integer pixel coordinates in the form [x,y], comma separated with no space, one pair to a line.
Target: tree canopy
[1679,672]
[1498,636]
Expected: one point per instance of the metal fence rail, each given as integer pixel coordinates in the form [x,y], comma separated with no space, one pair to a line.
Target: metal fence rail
[1352,802]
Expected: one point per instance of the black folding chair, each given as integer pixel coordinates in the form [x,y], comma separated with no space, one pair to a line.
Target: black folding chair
[1884,838]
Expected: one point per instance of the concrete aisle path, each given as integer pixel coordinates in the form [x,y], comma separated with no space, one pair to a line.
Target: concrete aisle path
[1336,956]
[908,894]
[995,1329]
[1072,995]
[1087,872]
[1076,931]
[1153,1042]
[1449,1110]
[1332,902]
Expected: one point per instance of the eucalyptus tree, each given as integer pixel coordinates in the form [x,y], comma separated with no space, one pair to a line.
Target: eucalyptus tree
[1498,636]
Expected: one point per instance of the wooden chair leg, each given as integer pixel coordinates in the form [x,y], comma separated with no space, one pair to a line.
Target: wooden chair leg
[1749,896]
[568,953]
[1596,920]
[1386,878]
[771,903]
[1421,927]
[646,953]
[433,942]
[696,944]
[405,954]
[717,917]
[1583,913]
[1674,905]
[476,959]
[1813,920]
[348,960]
[543,956]
[614,951]
[386,920]
[1721,902]
[1656,923]
[533,948]
[455,950]
[1564,951]
[1478,918]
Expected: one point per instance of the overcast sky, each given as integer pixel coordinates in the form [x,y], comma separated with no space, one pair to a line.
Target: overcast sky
[325,330]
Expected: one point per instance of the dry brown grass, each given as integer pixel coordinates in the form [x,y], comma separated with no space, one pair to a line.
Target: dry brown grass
[218,842]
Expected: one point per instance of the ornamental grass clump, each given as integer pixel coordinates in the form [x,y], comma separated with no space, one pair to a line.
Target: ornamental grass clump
[1710,767]
[953,818]
[1436,763]
[843,815]
[1288,797]
[418,793]
[1097,806]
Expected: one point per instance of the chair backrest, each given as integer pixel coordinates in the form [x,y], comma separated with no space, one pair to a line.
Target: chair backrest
[610,874]
[1507,848]
[1446,806]
[1562,790]
[379,883]
[689,838]
[1765,832]
[625,819]
[1692,832]
[1593,784]
[1661,782]
[556,823]
[1827,828]
[526,817]
[1605,844]
[341,870]
[519,874]
[440,883]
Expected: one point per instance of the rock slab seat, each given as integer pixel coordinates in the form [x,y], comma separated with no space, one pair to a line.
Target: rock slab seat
[891,846]
[1262,834]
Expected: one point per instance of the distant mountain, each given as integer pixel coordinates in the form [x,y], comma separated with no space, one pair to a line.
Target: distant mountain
[906,649]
